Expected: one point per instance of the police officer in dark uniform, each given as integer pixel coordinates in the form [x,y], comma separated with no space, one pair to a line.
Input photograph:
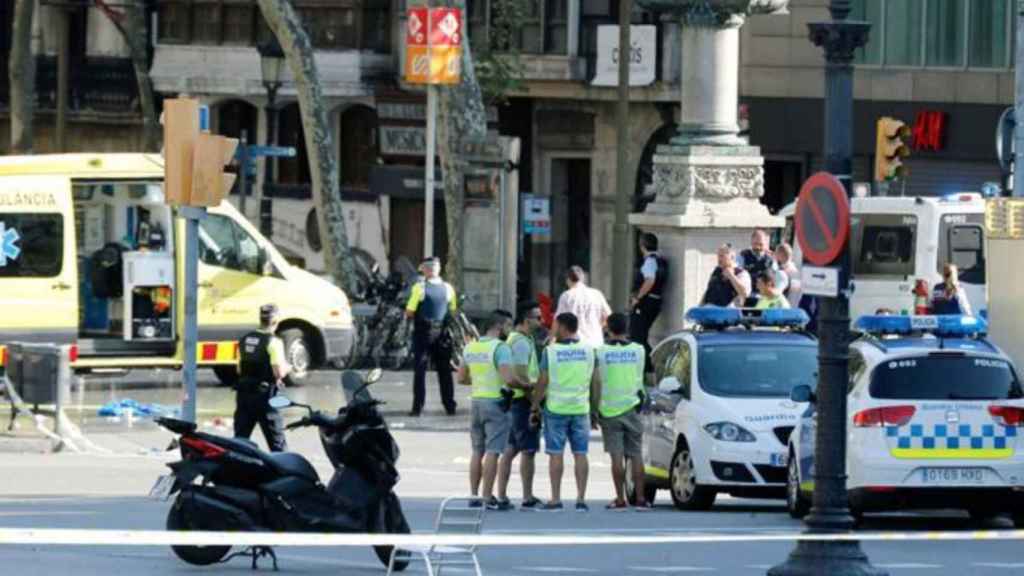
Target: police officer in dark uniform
[430,304]
[648,288]
[757,260]
[262,369]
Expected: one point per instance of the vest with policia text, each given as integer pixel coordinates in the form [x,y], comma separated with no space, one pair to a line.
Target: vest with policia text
[659,277]
[570,369]
[254,360]
[621,366]
[532,370]
[483,374]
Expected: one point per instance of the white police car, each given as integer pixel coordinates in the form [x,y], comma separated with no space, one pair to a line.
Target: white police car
[721,414]
[935,418]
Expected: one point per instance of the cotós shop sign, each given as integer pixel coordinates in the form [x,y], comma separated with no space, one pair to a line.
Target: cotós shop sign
[642,56]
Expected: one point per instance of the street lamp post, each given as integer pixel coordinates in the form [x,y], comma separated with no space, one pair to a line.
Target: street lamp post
[271,66]
[830,513]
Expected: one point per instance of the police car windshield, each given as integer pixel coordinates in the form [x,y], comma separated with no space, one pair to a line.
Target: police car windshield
[745,371]
[938,377]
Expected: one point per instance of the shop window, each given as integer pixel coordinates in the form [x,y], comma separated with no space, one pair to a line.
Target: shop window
[937,33]
[40,245]
[556,27]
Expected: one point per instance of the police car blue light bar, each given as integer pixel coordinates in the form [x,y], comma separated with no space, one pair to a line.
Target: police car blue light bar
[715,317]
[947,325]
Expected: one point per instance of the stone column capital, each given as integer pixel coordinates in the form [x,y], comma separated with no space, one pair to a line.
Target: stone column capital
[839,38]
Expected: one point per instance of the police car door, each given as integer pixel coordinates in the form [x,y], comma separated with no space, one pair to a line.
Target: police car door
[38,264]
[673,387]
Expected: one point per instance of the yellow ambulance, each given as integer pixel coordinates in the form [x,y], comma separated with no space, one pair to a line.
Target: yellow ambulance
[92,256]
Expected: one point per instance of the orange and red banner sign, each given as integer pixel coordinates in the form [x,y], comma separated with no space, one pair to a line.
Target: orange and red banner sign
[433,51]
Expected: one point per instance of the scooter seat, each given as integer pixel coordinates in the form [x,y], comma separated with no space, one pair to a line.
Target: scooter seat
[292,464]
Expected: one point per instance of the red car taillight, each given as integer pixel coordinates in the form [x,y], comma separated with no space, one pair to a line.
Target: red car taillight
[204,448]
[885,416]
[1010,416]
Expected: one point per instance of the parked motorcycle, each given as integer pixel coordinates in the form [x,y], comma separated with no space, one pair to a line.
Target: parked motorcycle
[228,484]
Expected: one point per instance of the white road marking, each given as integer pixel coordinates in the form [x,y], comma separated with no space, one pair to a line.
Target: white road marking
[999,564]
[671,569]
[557,569]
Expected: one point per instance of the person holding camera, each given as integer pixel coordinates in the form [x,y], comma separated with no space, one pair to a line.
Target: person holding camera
[487,367]
[430,304]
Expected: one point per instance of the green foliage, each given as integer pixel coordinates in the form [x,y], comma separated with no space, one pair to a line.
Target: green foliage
[499,67]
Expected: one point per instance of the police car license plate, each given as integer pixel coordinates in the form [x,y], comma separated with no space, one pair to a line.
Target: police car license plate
[162,489]
[777,459]
[954,476]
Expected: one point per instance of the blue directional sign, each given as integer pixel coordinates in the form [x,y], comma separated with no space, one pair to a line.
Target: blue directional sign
[9,249]
[278,151]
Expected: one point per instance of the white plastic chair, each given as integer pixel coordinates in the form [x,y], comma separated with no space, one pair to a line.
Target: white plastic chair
[457,515]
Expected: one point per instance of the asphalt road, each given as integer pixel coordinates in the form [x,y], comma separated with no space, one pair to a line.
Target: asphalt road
[105,488]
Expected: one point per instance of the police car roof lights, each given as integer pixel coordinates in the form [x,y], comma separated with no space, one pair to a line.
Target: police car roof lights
[947,325]
[716,317]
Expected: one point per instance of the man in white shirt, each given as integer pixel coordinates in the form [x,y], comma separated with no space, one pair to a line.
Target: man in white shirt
[587,304]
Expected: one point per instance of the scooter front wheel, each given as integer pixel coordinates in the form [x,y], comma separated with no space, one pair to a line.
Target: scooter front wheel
[394,523]
[195,555]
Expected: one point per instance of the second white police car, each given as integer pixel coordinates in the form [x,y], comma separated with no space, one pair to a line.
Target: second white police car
[935,419]
[721,415]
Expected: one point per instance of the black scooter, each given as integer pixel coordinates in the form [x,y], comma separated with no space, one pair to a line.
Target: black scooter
[228,484]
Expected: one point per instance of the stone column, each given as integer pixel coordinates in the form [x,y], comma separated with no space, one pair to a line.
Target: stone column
[708,181]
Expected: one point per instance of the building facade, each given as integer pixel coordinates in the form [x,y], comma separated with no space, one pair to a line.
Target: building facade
[945,67]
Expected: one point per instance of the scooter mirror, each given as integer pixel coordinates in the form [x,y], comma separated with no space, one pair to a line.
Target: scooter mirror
[278,402]
[374,375]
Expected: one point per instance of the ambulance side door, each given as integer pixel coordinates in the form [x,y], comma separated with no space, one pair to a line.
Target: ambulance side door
[38,260]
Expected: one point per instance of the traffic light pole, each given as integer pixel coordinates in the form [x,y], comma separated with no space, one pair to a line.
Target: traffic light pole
[830,512]
[190,331]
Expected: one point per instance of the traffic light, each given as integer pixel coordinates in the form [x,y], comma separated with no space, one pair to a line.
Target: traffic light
[210,184]
[890,148]
[181,129]
[194,161]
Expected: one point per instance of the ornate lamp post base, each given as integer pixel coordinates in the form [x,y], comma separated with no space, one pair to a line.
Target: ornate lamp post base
[832,558]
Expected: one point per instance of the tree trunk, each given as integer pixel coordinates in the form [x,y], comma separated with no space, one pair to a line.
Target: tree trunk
[132,26]
[22,74]
[284,22]
[462,118]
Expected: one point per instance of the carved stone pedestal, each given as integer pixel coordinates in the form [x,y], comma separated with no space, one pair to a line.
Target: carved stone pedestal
[706,196]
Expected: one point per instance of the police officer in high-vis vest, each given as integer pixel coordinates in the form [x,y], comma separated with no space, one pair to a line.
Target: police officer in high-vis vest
[487,367]
[524,437]
[620,382]
[565,385]
[262,369]
[429,305]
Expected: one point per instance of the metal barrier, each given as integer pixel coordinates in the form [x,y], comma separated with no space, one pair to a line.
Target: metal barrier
[39,375]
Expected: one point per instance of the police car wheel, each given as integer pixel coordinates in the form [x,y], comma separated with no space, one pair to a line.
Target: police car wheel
[796,504]
[687,494]
[300,357]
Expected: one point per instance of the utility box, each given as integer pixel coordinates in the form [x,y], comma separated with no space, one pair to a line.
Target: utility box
[40,373]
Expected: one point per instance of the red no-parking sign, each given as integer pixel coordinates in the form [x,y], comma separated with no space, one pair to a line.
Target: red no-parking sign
[822,219]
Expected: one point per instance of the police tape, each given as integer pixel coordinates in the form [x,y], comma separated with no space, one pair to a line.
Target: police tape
[89,537]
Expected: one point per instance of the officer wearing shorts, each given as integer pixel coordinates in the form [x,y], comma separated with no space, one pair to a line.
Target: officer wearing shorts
[487,367]
[524,438]
[619,374]
[565,384]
